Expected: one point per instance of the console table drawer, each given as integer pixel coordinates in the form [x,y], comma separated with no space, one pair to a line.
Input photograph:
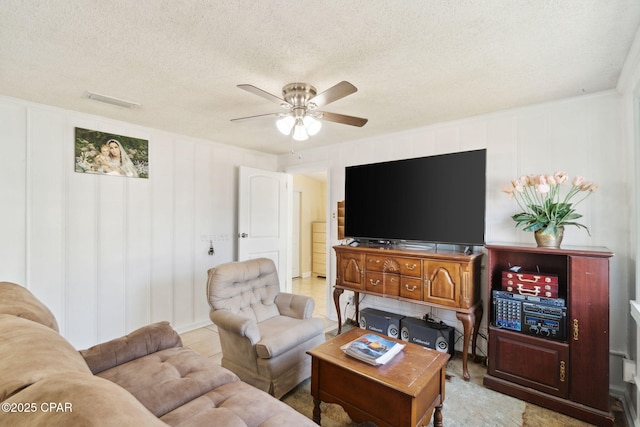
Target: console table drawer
[375,263]
[387,284]
[411,287]
[386,264]
[410,267]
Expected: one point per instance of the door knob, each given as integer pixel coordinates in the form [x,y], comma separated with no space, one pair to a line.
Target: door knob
[244,235]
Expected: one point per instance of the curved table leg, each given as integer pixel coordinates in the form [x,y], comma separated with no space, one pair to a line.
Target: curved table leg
[336,300]
[476,328]
[467,320]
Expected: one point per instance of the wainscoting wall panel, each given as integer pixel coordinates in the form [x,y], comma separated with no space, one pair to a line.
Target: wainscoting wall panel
[109,254]
[582,136]
[13,227]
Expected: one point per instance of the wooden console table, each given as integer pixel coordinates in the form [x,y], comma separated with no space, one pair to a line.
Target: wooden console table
[442,279]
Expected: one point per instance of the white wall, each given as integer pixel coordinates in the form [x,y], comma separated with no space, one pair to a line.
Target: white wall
[110,254]
[582,136]
[629,86]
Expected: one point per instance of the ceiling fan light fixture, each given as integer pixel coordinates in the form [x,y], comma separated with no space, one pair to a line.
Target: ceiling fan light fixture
[312,125]
[299,132]
[302,100]
[285,124]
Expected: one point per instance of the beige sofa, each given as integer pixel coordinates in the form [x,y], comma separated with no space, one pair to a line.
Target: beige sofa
[146,378]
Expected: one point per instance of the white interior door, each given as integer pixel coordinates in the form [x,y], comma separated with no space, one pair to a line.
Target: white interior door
[295,235]
[264,223]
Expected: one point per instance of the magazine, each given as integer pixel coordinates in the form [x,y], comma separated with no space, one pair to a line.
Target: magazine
[372,349]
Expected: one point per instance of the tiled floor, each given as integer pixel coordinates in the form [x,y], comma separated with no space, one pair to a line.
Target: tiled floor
[315,287]
[206,340]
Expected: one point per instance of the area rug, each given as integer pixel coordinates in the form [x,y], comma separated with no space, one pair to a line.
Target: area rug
[467,404]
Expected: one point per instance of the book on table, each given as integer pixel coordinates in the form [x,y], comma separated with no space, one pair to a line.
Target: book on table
[372,349]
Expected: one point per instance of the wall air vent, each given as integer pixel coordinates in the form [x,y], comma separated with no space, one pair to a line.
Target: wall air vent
[111,100]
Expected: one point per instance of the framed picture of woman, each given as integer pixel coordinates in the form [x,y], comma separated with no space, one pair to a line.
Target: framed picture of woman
[110,154]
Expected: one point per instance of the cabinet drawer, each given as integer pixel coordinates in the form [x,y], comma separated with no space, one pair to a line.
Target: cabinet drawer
[405,266]
[318,227]
[319,268]
[410,267]
[410,287]
[319,237]
[375,263]
[319,248]
[530,361]
[388,284]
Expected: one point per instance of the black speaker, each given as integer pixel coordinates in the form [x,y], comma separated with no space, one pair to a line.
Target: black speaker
[430,334]
[380,321]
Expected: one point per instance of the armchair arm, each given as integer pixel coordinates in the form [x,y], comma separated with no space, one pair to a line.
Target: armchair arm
[139,343]
[237,324]
[293,305]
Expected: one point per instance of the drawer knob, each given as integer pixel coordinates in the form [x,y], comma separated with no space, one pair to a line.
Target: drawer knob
[410,267]
[410,289]
[376,283]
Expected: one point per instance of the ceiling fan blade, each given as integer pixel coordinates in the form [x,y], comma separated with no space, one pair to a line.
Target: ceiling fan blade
[255,117]
[343,119]
[266,95]
[334,93]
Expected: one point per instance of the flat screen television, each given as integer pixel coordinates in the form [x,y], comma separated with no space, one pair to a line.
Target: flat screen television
[435,199]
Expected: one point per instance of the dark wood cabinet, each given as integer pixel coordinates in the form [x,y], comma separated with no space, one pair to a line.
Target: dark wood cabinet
[570,375]
[444,279]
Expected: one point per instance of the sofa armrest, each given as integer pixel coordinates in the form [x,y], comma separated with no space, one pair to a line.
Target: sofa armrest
[139,343]
[293,305]
[236,324]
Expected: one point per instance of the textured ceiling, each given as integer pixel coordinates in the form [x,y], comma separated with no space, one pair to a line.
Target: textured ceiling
[414,62]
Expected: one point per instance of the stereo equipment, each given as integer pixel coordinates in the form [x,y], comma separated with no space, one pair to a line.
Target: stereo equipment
[380,321]
[558,302]
[430,334]
[544,317]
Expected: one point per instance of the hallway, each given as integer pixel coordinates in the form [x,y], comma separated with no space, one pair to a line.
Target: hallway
[314,287]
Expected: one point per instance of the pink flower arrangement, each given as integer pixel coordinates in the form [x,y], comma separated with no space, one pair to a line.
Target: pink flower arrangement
[544,209]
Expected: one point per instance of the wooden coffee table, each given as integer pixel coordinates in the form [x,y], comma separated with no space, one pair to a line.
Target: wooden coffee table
[402,392]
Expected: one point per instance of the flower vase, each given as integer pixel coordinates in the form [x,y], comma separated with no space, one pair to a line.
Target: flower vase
[549,240]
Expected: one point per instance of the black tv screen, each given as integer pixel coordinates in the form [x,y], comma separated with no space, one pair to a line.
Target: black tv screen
[439,199]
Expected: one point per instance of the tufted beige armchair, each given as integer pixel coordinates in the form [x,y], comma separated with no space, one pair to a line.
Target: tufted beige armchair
[264,333]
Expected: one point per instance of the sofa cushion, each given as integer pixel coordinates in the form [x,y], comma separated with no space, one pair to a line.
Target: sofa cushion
[282,333]
[19,301]
[30,352]
[139,343]
[167,379]
[236,404]
[79,399]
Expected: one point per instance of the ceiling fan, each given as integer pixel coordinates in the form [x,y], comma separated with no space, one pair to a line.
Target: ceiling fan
[301,102]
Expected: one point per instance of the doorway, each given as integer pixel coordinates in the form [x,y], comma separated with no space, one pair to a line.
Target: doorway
[312,255]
